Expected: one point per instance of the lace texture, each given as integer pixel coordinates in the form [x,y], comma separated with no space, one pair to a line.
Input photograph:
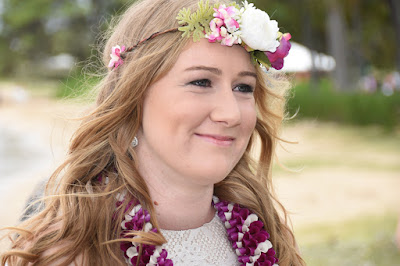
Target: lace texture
[206,245]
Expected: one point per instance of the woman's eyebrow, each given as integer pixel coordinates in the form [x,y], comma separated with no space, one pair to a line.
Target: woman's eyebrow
[213,70]
[217,71]
[247,73]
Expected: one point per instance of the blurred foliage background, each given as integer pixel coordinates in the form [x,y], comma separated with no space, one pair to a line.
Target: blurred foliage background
[32,30]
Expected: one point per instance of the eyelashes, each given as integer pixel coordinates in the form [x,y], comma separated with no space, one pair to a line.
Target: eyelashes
[201,83]
[206,83]
[244,88]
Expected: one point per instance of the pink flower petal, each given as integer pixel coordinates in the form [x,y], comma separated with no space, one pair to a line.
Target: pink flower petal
[231,24]
[231,11]
[276,58]
[116,59]
[219,22]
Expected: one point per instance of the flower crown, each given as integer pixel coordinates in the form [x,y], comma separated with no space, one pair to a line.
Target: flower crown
[227,24]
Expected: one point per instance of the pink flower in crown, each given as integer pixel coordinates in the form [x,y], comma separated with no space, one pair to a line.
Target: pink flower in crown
[224,25]
[228,15]
[231,24]
[116,59]
[276,58]
[223,32]
[228,40]
[218,22]
[215,26]
[224,12]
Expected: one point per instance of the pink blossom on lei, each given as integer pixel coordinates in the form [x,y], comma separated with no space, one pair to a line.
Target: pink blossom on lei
[281,52]
[116,59]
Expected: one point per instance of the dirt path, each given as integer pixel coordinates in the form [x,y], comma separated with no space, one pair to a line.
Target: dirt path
[340,179]
[34,136]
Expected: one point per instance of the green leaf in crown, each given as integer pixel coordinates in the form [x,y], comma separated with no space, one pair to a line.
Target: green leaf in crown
[198,22]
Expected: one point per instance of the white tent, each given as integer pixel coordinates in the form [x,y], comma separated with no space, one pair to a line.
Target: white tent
[300,60]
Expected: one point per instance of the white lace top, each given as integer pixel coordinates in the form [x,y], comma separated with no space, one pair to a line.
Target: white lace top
[206,245]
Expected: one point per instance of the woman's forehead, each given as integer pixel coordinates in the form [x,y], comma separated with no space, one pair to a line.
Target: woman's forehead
[204,53]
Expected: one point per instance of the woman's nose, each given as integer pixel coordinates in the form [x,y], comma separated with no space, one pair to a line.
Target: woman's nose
[226,108]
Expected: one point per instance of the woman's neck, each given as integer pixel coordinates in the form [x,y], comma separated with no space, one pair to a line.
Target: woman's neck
[179,203]
[181,211]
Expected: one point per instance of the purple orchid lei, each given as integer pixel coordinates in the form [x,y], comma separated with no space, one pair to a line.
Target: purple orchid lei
[245,232]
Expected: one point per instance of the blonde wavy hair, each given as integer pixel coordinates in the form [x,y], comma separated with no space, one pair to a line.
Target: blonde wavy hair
[78,218]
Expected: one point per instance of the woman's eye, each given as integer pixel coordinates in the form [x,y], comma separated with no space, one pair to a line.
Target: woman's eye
[201,83]
[244,88]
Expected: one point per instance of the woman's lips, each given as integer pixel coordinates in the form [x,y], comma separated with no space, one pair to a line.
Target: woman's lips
[217,139]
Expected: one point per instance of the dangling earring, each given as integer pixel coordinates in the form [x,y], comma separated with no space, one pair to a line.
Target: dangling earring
[135,142]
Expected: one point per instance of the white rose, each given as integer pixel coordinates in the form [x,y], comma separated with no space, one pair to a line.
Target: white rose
[258,31]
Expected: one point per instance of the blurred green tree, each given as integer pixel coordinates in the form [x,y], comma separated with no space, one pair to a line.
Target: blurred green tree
[358,33]
[394,6]
[31,30]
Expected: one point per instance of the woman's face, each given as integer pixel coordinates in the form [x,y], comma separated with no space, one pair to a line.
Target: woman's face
[198,118]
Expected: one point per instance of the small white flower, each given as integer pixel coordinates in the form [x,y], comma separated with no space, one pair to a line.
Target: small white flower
[215,199]
[237,35]
[132,252]
[264,246]
[259,32]
[251,218]
[254,259]
[227,225]
[247,4]
[153,258]
[148,227]
[123,225]
[121,196]
[137,208]
[245,228]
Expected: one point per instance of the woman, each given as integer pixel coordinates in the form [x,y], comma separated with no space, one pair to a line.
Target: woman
[179,116]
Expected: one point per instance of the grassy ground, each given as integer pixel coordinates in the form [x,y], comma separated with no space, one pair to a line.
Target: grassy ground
[331,144]
[362,241]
